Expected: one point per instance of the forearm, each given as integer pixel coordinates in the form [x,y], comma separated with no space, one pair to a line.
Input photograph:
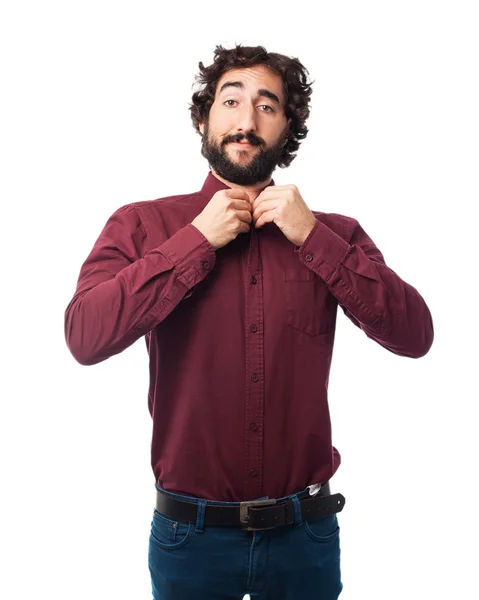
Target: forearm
[119,299]
[372,295]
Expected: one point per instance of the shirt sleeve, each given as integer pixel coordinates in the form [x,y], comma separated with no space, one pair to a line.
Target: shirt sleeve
[121,294]
[388,310]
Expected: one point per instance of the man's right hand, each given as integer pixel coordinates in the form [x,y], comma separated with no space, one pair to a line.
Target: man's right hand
[226,215]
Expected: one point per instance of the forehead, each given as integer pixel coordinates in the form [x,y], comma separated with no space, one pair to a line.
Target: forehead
[253,79]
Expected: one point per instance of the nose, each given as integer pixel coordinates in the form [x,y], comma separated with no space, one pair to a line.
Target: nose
[246,119]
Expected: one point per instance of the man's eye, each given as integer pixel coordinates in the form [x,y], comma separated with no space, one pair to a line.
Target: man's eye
[267,108]
[226,102]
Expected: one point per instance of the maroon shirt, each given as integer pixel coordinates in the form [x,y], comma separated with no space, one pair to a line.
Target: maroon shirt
[239,339]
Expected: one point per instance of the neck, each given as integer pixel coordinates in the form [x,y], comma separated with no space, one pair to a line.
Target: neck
[252,190]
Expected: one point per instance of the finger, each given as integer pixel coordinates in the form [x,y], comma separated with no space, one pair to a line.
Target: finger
[259,223]
[271,189]
[244,227]
[258,200]
[266,217]
[276,198]
[278,187]
[238,193]
[244,215]
[263,207]
[242,205]
[275,189]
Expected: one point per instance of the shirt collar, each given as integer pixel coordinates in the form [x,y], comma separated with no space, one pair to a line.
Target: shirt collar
[212,185]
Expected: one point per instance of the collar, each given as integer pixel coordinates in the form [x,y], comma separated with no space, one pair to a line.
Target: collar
[212,185]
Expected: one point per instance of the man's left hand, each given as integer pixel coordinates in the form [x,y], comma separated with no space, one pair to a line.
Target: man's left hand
[283,205]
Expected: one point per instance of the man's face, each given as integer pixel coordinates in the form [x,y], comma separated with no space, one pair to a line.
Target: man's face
[246,130]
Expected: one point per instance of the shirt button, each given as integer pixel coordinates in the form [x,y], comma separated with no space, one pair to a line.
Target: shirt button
[308,257]
[254,377]
[253,427]
[253,328]
[253,279]
[206,265]
[253,473]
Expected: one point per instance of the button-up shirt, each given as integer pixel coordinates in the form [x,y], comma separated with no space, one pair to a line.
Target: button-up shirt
[239,339]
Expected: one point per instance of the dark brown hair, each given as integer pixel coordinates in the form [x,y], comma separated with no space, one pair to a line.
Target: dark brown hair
[296,89]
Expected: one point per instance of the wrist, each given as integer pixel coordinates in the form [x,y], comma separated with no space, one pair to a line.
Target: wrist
[204,234]
[307,233]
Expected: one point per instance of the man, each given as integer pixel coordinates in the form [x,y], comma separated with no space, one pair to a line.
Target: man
[236,289]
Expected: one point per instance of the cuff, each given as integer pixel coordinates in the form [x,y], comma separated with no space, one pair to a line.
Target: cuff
[323,250]
[191,253]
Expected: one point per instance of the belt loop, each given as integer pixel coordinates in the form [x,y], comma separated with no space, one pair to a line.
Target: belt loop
[200,519]
[298,519]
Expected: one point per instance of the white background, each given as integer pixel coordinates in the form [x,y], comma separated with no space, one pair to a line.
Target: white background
[95,115]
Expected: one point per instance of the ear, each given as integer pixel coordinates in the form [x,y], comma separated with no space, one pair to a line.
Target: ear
[201,126]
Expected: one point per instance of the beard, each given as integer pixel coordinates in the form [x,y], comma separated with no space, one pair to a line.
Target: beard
[259,168]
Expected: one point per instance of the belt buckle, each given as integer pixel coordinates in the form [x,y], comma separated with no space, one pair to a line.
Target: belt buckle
[244,511]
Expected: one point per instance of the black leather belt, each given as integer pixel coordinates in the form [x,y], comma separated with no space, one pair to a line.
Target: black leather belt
[253,514]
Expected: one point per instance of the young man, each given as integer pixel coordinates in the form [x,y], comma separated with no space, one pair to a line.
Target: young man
[236,289]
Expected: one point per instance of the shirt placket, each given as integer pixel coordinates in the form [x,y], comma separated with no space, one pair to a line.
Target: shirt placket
[255,384]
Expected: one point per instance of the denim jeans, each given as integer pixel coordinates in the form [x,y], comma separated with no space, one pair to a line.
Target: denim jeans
[189,561]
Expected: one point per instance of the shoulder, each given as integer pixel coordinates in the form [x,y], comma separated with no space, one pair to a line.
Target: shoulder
[160,218]
[178,201]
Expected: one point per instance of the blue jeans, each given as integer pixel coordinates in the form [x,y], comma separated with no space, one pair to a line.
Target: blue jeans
[189,561]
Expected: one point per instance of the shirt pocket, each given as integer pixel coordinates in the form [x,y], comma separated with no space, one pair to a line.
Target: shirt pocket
[310,307]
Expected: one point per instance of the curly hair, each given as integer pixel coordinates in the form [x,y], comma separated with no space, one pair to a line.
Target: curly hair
[296,89]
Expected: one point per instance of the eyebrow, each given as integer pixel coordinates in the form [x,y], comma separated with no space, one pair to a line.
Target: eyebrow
[262,92]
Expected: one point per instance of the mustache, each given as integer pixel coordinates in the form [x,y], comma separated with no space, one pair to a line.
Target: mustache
[252,138]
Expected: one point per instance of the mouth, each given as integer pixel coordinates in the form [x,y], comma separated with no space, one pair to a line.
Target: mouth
[241,145]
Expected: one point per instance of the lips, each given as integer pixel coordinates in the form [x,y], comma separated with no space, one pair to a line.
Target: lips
[241,143]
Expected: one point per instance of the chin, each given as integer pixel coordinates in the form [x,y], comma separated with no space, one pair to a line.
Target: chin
[240,151]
